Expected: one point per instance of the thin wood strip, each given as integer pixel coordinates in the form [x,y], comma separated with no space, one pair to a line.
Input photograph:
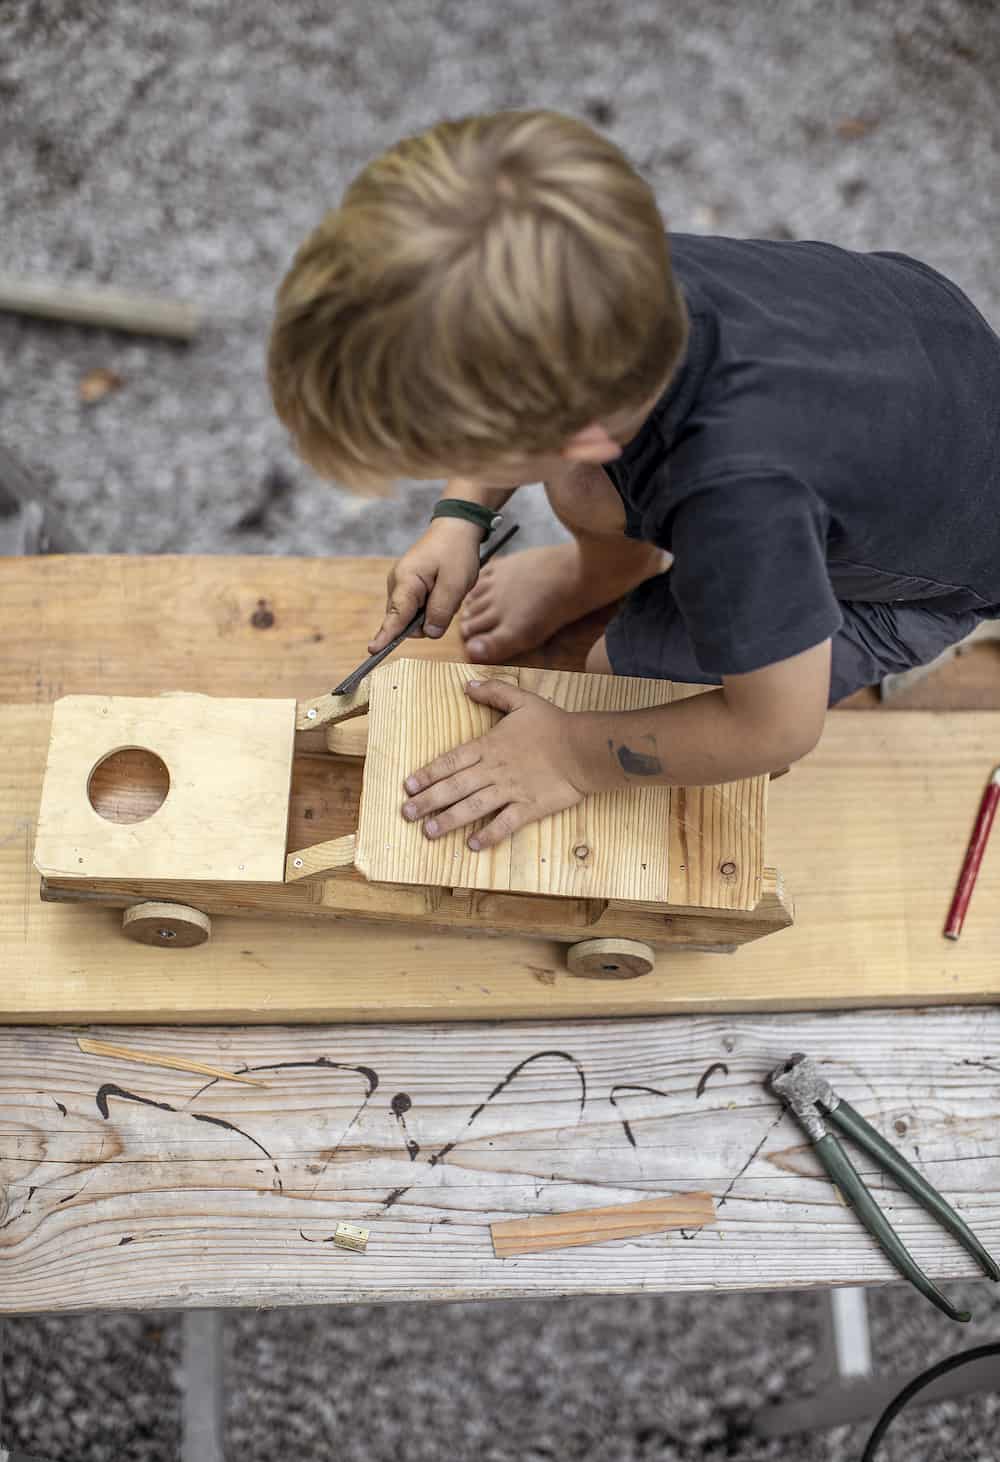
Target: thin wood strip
[348,738]
[599,1225]
[325,710]
[149,1058]
[320,858]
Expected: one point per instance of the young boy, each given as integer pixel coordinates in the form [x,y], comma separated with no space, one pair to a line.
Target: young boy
[786,456]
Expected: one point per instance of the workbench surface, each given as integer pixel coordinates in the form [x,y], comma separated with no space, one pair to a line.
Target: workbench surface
[226,1194]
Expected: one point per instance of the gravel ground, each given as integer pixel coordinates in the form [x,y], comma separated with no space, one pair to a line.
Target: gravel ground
[186,149]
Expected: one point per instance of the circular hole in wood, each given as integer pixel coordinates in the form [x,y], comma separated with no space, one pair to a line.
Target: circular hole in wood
[129,785]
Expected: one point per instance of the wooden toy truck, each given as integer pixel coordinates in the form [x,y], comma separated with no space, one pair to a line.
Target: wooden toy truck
[181,806]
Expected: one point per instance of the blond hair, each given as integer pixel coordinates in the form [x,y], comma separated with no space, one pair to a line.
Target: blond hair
[485,290]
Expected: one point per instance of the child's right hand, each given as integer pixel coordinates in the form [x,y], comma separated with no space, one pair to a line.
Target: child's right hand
[438,570]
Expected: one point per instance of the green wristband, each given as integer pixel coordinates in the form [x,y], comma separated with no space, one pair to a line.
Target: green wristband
[457,507]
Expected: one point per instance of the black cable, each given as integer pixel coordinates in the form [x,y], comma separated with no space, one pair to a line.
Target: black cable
[965,1357]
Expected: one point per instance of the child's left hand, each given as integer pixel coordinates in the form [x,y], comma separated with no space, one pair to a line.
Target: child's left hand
[526,767]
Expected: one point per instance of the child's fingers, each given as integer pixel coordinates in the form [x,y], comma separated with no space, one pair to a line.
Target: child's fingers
[444,600]
[403,602]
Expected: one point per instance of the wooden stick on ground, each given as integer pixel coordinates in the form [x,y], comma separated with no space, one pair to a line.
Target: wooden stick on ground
[148,1058]
[140,314]
[597,1225]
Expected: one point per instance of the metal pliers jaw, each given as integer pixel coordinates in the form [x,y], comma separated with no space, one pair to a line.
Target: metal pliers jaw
[811,1099]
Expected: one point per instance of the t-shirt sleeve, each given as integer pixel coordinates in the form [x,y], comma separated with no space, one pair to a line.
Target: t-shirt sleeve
[749,574]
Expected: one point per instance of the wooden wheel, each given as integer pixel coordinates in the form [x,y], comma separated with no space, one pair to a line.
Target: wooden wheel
[169,926]
[610,959]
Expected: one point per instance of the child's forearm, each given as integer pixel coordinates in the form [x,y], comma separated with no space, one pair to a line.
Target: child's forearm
[695,742]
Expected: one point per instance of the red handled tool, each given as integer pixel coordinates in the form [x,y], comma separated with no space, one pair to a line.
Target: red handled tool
[973,857]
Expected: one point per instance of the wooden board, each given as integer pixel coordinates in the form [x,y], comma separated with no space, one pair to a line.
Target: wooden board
[161,1188]
[615,845]
[225,812]
[870,831]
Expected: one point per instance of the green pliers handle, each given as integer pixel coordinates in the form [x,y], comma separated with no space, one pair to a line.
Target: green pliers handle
[854,1125]
[853,1190]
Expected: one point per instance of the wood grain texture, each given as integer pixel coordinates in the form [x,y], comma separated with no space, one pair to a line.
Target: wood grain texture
[426,1136]
[250,626]
[614,845]
[577,1227]
[427,909]
[225,814]
[872,894]
[230,625]
[320,858]
[246,625]
[348,738]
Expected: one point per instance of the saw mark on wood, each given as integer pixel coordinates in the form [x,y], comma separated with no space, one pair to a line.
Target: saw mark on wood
[752,1157]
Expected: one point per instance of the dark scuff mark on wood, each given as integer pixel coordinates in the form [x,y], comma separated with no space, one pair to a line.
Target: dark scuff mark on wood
[707,1075]
[623,1087]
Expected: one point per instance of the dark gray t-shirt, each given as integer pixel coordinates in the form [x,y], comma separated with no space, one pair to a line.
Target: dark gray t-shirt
[832,434]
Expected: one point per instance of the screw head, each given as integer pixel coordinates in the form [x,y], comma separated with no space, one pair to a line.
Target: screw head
[296,862]
[166,934]
[311,714]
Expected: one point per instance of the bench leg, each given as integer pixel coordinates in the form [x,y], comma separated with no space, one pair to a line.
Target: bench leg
[202,1404]
[854,1393]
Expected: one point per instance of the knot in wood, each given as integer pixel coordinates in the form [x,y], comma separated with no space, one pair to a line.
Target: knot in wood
[727,869]
[581,851]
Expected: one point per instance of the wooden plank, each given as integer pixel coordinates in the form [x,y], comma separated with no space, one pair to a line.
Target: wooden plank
[614,845]
[581,1226]
[228,770]
[348,738]
[232,625]
[219,1195]
[114,309]
[413,718]
[435,910]
[132,624]
[872,894]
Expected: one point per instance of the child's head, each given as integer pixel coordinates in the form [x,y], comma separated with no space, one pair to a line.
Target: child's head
[485,291]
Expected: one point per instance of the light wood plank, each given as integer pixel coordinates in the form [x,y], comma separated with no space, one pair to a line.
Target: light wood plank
[872,893]
[225,814]
[614,845]
[428,1135]
[236,625]
[580,1226]
[418,712]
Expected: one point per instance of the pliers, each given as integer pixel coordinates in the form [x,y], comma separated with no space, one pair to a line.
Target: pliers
[811,1099]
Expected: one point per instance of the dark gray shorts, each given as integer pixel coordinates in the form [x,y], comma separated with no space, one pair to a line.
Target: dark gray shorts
[647,638]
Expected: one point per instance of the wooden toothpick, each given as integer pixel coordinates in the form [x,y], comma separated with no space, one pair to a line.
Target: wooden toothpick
[147,1058]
